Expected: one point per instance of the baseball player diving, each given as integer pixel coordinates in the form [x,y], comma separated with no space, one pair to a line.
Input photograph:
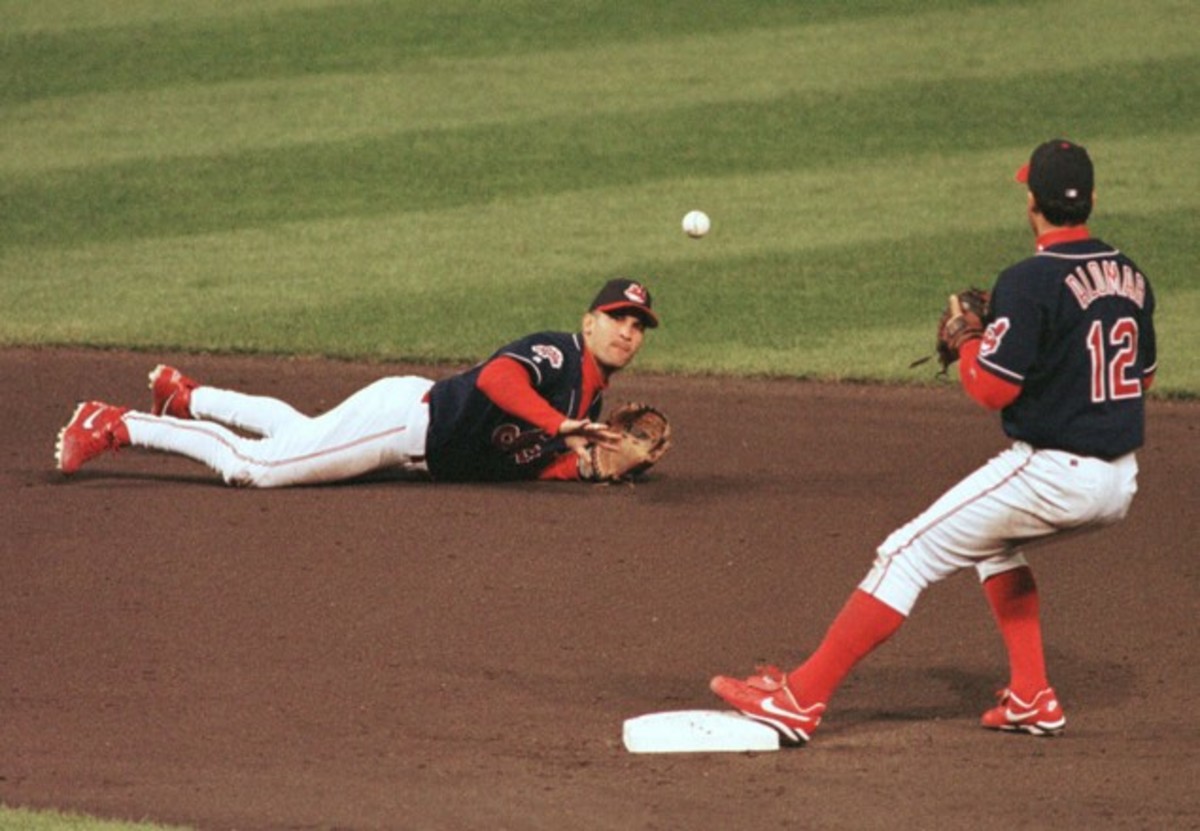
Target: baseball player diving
[1065,353]
[530,411]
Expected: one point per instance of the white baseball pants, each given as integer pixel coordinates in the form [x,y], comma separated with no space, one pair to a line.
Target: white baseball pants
[1021,496]
[381,426]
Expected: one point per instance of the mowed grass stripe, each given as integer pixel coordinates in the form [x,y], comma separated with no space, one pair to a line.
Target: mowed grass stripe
[57,16]
[843,58]
[791,259]
[441,169]
[529,240]
[775,313]
[373,36]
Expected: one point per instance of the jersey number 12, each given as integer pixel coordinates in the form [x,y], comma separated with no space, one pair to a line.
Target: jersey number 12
[1110,379]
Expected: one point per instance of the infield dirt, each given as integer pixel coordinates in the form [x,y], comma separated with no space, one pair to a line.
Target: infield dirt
[393,654]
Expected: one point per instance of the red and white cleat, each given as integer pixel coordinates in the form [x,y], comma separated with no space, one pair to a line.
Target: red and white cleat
[1043,716]
[766,697]
[171,391]
[94,428]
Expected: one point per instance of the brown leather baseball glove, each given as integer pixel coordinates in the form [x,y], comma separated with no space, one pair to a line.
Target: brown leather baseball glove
[644,436]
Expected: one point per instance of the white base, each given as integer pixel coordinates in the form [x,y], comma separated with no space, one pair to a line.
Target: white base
[697,731]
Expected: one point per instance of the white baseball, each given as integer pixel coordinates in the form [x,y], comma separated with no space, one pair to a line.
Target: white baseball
[696,224]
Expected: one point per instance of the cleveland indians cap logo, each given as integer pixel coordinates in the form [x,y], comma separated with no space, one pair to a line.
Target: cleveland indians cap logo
[637,294]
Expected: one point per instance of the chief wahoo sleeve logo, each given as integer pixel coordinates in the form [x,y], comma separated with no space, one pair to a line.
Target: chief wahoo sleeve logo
[995,333]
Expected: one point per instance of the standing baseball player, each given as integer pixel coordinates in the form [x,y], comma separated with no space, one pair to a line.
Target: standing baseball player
[1066,359]
[530,411]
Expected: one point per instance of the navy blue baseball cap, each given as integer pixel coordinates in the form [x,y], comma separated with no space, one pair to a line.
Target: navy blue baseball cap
[625,295]
[1059,172]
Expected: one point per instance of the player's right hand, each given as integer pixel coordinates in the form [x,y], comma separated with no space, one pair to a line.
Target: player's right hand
[590,431]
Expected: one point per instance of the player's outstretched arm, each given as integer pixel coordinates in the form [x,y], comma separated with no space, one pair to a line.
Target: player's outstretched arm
[506,383]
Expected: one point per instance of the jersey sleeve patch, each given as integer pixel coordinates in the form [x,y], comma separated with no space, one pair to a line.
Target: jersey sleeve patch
[993,339]
[548,353]
[994,335]
[543,357]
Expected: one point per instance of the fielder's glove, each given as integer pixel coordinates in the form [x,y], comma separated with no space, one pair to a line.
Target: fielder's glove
[966,315]
[645,435]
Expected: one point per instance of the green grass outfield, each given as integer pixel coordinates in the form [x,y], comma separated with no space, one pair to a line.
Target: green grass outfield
[418,180]
[426,180]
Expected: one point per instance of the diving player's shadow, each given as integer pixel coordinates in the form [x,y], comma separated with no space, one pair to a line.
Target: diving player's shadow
[204,478]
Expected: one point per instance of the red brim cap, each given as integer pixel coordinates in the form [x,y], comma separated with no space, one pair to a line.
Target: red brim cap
[644,312]
[1023,174]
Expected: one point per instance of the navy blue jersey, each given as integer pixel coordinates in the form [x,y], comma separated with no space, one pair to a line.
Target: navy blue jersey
[470,438]
[1073,326]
